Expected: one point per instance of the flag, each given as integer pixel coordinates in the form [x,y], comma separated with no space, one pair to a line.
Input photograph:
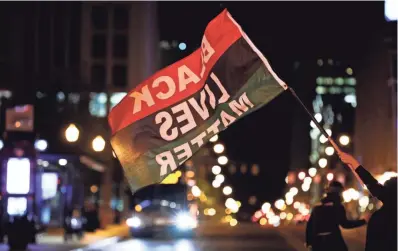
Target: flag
[168,117]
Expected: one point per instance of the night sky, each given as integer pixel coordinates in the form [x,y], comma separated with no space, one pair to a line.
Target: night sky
[285,32]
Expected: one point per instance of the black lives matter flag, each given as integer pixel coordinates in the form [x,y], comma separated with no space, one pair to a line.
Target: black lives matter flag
[167,118]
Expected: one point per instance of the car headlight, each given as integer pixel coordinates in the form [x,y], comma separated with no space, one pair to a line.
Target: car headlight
[185,221]
[133,222]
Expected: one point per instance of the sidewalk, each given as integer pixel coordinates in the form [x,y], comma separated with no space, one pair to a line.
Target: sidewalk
[55,235]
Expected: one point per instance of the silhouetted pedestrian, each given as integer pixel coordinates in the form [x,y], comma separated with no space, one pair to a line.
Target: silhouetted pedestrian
[323,232]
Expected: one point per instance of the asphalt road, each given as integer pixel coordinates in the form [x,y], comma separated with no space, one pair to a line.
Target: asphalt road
[244,237]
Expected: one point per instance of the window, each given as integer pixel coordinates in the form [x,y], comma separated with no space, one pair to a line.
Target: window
[121,18]
[98,76]
[119,75]
[99,17]
[97,105]
[98,49]
[120,46]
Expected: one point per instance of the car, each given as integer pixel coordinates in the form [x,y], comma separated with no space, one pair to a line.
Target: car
[166,213]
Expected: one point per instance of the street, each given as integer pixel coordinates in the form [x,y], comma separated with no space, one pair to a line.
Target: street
[248,237]
[214,237]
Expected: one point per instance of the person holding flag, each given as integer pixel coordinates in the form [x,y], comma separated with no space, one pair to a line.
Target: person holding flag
[382,226]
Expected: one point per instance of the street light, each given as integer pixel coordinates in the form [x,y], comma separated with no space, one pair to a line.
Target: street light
[344,140]
[222,160]
[98,144]
[227,190]
[72,133]
[323,162]
[218,148]
[329,151]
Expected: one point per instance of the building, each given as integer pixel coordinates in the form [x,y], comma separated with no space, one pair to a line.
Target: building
[74,62]
[376,123]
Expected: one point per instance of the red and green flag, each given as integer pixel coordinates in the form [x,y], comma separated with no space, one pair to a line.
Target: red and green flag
[168,117]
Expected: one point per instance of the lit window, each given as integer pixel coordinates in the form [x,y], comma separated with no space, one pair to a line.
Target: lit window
[349,90]
[60,96]
[329,81]
[321,90]
[335,90]
[97,105]
[74,98]
[339,81]
[350,81]
[116,98]
[319,80]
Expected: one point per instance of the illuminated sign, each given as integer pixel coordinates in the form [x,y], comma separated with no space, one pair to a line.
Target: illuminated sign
[18,176]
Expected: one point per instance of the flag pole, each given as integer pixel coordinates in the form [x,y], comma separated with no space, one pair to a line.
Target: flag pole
[323,131]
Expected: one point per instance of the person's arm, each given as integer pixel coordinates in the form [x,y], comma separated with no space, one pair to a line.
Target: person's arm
[346,223]
[374,187]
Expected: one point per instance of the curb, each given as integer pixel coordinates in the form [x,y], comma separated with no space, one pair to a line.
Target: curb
[98,245]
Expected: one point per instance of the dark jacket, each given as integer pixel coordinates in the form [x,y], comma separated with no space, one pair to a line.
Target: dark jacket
[382,226]
[323,232]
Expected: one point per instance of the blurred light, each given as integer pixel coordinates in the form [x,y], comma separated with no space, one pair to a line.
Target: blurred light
[40,145]
[329,151]
[294,190]
[354,193]
[279,203]
[222,160]
[287,180]
[318,117]
[385,177]
[263,221]
[220,178]
[62,162]
[364,201]
[258,214]
[238,203]
[296,204]
[371,206]
[212,212]
[252,200]
[206,211]
[312,124]
[98,144]
[133,222]
[178,174]
[329,176]
[347,196]
[283,215]
[307,180]
[94,188]
[214,138]
[216,184]
[305,187]
[113,154]
[301,175]
[289,216]
[322,162]
[218,148]
[229,203]
[182,46]
[329,132]
[190,174]
[228,211]
[1,144]
[196,191]
[266,207]
[344,140]
[227,190]
[138,208]
[289,201]
[349,71]
[323,139]
[216,170]
[233,222]
[320,62]
[312,171]
[72,133]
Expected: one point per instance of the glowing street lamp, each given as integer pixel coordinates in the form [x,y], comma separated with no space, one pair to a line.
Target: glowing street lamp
[98,144]
[216,170]
[218,148]
[222,160]
[344,140]
[329,151]
[227,190]
[72,133]
[322,162]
